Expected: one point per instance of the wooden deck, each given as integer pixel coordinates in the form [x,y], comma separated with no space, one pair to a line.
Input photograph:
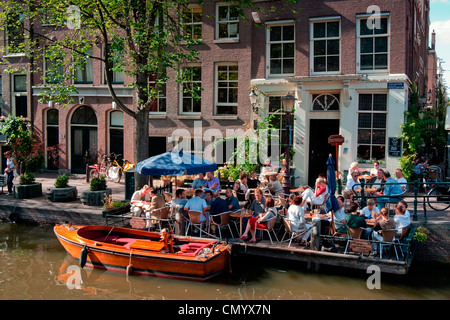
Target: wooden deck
[316,258]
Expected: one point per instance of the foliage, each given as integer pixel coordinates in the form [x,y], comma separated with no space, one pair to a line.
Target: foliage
[62,181]
[109,204]
[98,183]
[421,234]
[26,178]
[23,142]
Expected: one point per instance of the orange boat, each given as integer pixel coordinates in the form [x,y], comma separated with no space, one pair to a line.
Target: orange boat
[144,253]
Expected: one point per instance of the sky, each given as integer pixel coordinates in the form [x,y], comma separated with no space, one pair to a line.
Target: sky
[440,22]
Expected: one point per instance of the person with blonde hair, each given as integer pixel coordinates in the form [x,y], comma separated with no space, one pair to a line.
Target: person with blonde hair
[353,168]
[316,197]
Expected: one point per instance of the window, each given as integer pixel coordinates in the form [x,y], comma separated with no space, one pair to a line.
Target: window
[372,117]
[325,44]
[19,95]
[325,102]
[1,97]
[192,23]
[226,89]
[227,22]
[15,33]
[53,65]
[278,122]
[159,104]
[373,44]
[191,91]
[52,139]
[115,73]
[84,73]
[281,49]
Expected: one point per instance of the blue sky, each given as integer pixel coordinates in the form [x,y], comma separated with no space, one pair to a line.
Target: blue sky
[440,22]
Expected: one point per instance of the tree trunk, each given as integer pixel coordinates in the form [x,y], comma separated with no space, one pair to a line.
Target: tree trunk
[141,135]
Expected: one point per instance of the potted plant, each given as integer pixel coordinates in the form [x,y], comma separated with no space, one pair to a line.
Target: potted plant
[27,188]
[111,207]
[62,191]
[419,238]
[96,193]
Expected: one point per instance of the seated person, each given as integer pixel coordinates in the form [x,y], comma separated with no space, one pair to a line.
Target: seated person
[218,206]
[370,211]
[267,168]
[378,181]
[401,179]
[139,199]
[384,222]
[208,196]
[316,197]
[274,185]
[232,201]
[405,205]
[356,221]
[400,219]
[296,215]
[178,212]
[212,182]
[374,170]
[260,221]
[391,189]
[253,181]
[158,201]
[348,192]
[240,186]
[199,182]
[340,224]
[353,168]
[197,203]
[259,204]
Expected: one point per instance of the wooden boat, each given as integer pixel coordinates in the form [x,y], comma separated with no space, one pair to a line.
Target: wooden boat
[144,253]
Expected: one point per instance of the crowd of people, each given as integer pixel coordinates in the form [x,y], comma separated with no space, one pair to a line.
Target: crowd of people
[263,199]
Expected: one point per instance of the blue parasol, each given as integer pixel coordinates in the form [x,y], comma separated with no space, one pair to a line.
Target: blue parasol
[332,203]
[174,163]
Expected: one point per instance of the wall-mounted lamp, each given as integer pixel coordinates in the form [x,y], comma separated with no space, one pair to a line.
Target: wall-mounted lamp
[114,105]
[256,18]
[253,101]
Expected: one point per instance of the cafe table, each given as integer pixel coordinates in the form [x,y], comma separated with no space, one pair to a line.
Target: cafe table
[241,214]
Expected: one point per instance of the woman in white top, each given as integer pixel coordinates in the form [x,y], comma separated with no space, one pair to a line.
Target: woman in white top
[296,215]
[400,219]
[10,171]
[353,168]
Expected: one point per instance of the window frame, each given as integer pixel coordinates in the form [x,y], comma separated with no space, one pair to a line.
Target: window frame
[358,42]
[183,96]
[325,20]
[228,22]
[268,27]
[83,69]
[216,89]
[191,24]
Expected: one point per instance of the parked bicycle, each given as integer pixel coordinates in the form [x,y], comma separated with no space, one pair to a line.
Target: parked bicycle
[438,198]
[110,167]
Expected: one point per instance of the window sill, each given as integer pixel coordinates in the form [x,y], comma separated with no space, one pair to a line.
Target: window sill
[218,41]
[189,117]
[15,55]
[225,117]
[159,116]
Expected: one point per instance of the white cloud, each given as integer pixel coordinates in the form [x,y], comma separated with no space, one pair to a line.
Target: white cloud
[442,29]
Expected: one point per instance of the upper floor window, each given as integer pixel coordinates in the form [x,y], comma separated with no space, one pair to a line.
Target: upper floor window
[226,89]
[373,43]
[227,22]
[53,65]
[15,33]
[325,46]
[192,23]
[281,49]
[191,90]
[84,72]
[159,104]
[115,71]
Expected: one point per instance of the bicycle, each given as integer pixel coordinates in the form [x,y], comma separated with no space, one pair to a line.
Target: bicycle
[99,169]
[438,198]
[115,170]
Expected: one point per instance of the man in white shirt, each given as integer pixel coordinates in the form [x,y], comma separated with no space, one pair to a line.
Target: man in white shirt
[370,211]
[401,179]
[348,191]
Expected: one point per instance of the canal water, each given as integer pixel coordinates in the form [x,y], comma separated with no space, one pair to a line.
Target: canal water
[34,266]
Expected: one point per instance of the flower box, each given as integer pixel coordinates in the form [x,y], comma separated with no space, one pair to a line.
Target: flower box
[27,191]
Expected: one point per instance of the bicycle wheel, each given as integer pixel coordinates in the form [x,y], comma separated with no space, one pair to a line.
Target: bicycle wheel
[437,200]
[93,173]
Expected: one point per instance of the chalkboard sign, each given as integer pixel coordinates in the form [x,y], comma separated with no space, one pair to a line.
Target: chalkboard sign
[395,147]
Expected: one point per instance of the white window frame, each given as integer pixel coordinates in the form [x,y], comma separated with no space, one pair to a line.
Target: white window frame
[191,23]
[216,90]
[269,43]
[182,96]
[228,22]
[359,37]
[313,40]
[88,61]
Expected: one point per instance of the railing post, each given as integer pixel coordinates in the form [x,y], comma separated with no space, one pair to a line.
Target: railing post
[363,194]
[416,192]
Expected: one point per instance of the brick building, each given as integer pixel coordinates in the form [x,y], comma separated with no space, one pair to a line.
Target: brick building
[349,64]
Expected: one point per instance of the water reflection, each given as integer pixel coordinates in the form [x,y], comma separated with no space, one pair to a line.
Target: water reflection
[33,265]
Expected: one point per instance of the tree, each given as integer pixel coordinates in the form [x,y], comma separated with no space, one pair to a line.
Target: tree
[142,38]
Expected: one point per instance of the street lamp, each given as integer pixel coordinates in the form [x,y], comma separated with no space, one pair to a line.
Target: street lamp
[287,103]
[253,97]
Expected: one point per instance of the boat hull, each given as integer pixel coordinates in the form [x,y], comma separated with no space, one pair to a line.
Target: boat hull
[145,259]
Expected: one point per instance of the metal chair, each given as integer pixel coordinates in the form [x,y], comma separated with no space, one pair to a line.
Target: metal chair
[194,220]
[224,222]
[270,225]
[293,234]
[161,215]
[388,240]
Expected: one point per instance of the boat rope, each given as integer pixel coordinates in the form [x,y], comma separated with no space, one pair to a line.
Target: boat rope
[106,237]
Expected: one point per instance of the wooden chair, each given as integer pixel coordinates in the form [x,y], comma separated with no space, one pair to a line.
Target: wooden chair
[270,225]
[224,222]
[318,206]
[194,220]
[288,230]
[388,240]
[168,197]
[161,215]
[354,233]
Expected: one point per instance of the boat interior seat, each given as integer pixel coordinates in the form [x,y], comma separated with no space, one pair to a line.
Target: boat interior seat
[192,249]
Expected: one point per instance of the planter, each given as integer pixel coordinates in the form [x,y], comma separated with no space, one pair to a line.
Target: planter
[68,193]
[417,245]
[28,191]
[94,198]
[117,211]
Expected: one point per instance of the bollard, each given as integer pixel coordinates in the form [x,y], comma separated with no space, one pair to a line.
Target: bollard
[87,173]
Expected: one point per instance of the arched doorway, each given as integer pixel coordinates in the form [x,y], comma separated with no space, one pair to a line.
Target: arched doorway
[52,139]
[83,138]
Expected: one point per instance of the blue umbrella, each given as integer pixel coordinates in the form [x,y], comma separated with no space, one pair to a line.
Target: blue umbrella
[174,163]
[332,203]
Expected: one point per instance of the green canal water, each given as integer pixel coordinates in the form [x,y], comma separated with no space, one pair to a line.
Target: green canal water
[34,266]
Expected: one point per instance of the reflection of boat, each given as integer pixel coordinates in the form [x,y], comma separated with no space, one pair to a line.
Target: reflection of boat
[143,252]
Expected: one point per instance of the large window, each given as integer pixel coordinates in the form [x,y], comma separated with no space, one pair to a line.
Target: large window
[53,65]
[325,46]
[19,95]
[191,91]
[159,104]
[278,121]
[373,44]
[281,49]
[15,33]
[372,116]
[227,22]
[115,73]
[226,89]
[192,23]
[84,73]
